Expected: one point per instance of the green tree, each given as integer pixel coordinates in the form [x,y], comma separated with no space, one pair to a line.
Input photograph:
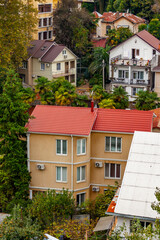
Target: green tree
[142,27]
[154,27]
[98,93]
[19,227]
[14,176]
[142,8]
[18,20]
[107,103]
[118,36]
[120,98]
[146,100]
[49,207]
[73,26]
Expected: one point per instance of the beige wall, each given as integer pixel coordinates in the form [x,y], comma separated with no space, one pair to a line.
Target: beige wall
[157,83]
[43,151]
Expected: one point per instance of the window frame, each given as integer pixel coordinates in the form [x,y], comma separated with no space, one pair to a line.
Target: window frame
[123,72]
[41,22]
[44,7]
[84,193]
[81,174]
[58,66]
[136,92]
[109,177]
[41,35]
[42,64]
[61,174]
[81,146]
[61,147]
[110,144]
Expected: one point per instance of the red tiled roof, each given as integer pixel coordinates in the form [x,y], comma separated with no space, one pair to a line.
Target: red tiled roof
[113,16]
[79,121]
[150,39]
[156,119]
[99,42]
[62,120]
[117,120]
[97,14]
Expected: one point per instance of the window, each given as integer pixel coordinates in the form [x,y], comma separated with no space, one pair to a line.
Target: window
[44,8]
[81,146]
[42,66]
[44,35]
[80,198]
[72,64]
[138,75]
[113,144]
[64,52]
[61,174]
[134,224]
[136,90]
[58,66]
[22,76]
[24,65]
[81,173]
[72,78]
[61,147]
[123,74]
[112,170]
[44,22]
[154,52]
[107,29]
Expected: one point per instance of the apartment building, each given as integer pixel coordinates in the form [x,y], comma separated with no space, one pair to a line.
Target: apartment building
[84,150]
[133,63]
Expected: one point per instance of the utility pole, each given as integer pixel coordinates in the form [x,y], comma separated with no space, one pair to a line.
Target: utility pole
[103,66]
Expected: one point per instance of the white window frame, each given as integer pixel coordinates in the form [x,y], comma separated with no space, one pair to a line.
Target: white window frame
[138,75]
[24,65]
[137,90]
[109,177]
[64,52]
[80,202]
[115,144]
[41,38]
[81,180]
[81,153]
[61,150]
[61,174]
[48,25]
[58,67]
[42,68]
[124,72]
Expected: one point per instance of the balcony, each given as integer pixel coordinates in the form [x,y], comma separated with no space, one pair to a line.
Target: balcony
[130,62]
[119,80]
[140,82]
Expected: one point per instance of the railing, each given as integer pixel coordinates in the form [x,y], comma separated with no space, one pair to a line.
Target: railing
[131,62]
[131,81]
[139,82]
[119,80]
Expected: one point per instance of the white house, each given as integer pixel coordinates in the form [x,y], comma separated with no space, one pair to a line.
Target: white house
[142,175]
[131,63]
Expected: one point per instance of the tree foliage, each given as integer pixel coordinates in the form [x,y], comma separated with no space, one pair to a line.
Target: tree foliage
[19,227]
[120,98]
[118,36]
[154,27]
[107,103]
[14,176]
[73,26]
[48,207]
[18,20]
[146,100]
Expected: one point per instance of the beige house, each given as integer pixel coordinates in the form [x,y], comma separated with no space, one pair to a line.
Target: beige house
[50,60]
[115,20]
[83,150]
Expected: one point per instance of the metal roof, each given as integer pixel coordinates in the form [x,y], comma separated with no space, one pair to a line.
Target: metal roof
[104,223]
[141,177]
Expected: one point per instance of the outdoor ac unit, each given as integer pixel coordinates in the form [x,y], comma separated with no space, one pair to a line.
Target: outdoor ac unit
[65,56]
[95,189]
[33,76]
[40,166]
[47,64]
[98,164]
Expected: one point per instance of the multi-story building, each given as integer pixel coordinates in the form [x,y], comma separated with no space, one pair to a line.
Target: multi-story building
[115,20]
[50,60]
[84,150]
[132,62]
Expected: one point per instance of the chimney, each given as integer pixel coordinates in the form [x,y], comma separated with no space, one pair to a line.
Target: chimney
[117,15]
[92,106]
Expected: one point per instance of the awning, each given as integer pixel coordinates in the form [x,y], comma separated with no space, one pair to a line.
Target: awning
[104,223]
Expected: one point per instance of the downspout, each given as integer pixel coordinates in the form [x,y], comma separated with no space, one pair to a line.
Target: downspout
[72,163]
[28,151]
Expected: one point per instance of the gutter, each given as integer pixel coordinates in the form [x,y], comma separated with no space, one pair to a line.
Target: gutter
[28,151]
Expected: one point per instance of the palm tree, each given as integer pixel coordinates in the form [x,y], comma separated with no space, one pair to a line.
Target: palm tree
[120,98]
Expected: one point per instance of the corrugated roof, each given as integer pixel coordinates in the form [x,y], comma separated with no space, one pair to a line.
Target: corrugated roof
[117,120]
[150,39]
[113,16]
[141,177]
[79,121]
[62,120]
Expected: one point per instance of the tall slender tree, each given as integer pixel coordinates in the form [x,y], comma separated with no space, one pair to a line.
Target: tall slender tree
[14,176]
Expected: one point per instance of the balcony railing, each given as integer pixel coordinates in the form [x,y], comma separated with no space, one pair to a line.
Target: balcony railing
[119,80]
[130,82]
[139,82]
[131,62]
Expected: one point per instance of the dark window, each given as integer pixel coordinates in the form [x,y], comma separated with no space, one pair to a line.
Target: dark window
[112,170]
[44,8]
[44,35]
[44,22]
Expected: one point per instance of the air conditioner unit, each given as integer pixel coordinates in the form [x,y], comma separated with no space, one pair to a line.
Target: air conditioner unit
[47,64]
[65,56]
[33,76]
[95,189]
[40,166]
[98,164]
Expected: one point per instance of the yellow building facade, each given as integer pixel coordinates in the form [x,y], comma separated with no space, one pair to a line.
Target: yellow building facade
[84,162]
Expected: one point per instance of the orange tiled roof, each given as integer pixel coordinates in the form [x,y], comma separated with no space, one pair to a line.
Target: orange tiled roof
[113,16]
[156,119]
